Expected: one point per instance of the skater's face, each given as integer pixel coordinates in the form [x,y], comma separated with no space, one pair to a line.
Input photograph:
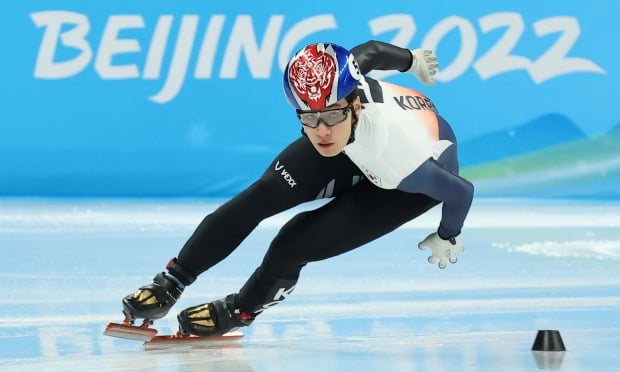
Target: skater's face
[329,129]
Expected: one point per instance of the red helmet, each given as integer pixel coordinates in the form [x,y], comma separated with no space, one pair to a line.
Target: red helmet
[320,75]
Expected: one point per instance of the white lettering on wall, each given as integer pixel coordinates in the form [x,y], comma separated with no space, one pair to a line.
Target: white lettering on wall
[180,60]
[46,67]
[300,30]
[242,39]
[67,33]
[157,48]
[111,45]
[206,57]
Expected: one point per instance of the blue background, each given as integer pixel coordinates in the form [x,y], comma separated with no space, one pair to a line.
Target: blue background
[92,133]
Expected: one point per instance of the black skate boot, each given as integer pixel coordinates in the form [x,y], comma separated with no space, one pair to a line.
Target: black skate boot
[152,301]
[213,319]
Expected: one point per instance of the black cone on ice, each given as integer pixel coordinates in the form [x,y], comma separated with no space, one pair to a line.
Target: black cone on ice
[548,340]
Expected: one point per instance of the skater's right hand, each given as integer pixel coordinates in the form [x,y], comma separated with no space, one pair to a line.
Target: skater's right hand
[442,250]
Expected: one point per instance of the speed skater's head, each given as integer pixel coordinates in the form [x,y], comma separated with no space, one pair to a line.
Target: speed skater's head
[319,75]
[320,81]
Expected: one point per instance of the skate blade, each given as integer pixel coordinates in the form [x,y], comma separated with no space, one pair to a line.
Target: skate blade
[130,332]
[180,338]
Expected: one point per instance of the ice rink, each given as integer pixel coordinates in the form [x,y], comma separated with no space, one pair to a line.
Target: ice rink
[528,265]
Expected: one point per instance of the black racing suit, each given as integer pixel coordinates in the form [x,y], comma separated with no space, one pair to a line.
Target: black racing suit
[358,213]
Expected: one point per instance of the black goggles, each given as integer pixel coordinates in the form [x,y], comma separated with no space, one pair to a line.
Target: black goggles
[329,117]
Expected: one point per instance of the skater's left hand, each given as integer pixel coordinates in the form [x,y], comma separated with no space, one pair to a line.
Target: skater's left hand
[424,65]
[441,250]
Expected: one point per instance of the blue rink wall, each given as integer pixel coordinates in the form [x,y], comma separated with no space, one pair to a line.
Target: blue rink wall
[156,99]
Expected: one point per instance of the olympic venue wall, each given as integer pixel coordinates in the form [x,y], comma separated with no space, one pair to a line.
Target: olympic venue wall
[184,99]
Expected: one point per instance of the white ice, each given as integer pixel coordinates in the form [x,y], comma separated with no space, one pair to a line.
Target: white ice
[528,265]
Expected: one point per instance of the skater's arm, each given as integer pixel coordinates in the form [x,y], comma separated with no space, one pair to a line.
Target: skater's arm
[377,55]
[455,192]
[221,232]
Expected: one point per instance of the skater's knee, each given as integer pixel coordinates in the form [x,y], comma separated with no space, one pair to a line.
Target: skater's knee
[293,244]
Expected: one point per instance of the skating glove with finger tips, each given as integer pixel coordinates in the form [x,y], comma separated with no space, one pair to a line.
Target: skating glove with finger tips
[442,250]
[424,65]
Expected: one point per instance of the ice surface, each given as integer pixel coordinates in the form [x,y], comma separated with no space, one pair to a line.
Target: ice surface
[527,265]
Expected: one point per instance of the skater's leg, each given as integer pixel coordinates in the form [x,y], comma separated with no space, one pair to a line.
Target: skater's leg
[153,301]
[315,176]
[223,230]
[221,316]
[347,222]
